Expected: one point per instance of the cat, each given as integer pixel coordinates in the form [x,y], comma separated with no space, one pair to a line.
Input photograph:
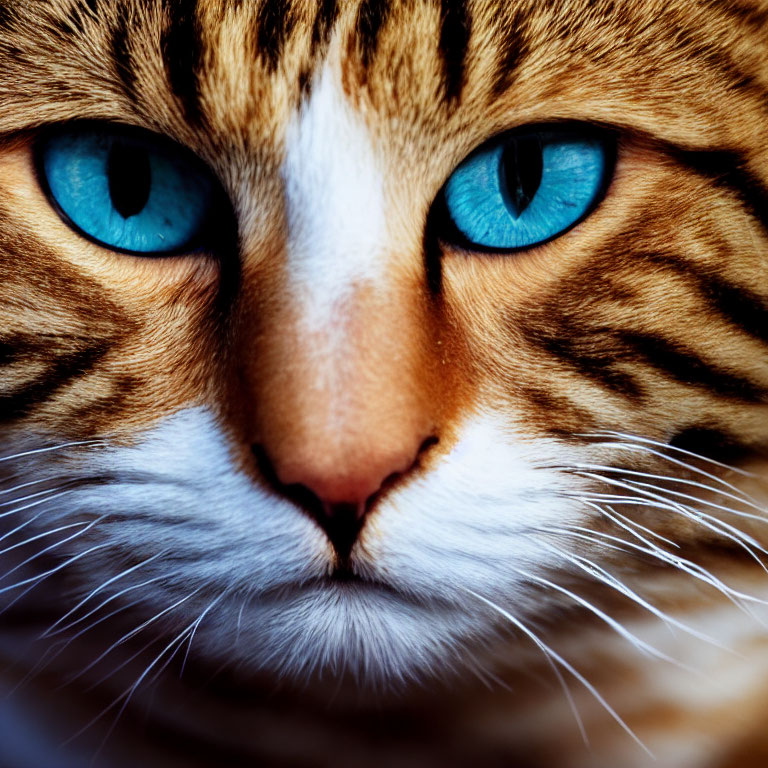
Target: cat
[383,382]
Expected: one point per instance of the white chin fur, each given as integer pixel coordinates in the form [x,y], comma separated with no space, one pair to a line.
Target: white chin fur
[254,569]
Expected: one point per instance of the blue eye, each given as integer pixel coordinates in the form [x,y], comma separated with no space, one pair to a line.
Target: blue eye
[125,189]
[527,187]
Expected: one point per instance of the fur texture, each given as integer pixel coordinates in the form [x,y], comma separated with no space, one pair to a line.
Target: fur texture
[562,556]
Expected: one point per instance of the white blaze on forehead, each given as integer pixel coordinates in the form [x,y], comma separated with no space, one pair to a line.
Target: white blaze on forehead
[335,201]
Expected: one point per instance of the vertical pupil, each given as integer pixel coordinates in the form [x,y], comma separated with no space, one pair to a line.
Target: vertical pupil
[521,172]
[129,177]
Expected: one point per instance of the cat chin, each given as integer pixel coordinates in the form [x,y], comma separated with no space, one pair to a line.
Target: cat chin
[364,633]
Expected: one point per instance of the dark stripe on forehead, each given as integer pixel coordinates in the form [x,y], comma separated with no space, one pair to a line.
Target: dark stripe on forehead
[512,49]
[182,53]
[371,17]
[593,358]
[47,281]
[6,18]
[709,441]
[556,413]
[684,365]
[75,18]
[274,25]
[730,171]
[90,417]
[121,53]
[455,33]
[741,13]
[327,12]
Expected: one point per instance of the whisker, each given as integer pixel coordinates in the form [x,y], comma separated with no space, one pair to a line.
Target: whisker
[689,467]
[48,549]
[602,575]
[712,523]
[56,649]
[681,481]
[124,663]
[49,449]
[628,525]
[680,563]
[27,484]
[178,641]
[31,505]
[668,447]
[239,620]
[126,572]
[35,580]
[116,596]
[194,630]
[622,631]
[128,635]
[41,536]
[566,665]
[22,526]
[35,495]
[124,697]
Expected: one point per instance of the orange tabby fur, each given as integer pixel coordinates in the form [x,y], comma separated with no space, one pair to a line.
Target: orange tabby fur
[650,318]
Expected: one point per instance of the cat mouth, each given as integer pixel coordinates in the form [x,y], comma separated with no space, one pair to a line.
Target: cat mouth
[343,583]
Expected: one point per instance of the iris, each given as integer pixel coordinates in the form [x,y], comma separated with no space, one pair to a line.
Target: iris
[128,190]
[527,186]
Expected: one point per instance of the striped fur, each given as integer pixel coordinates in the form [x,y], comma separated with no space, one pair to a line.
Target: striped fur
[573,437]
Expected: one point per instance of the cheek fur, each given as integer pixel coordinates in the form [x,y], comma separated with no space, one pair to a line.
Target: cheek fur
[173,514]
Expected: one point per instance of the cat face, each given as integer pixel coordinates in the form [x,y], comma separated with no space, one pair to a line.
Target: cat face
[360,422]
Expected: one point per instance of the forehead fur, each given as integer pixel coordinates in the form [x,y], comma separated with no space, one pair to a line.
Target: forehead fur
[242,66]
[432,79]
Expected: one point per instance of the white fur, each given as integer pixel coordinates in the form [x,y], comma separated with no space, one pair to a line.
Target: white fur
[334,190]
[467,525]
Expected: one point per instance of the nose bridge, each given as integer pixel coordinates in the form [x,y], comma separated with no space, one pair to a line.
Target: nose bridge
[334,203]
[339,375]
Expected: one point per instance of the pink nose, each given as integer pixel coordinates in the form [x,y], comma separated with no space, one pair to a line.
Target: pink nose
[338,492]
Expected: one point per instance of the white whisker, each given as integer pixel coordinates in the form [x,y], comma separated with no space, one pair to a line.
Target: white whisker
[688,467]
[763,517]
[35,495]
[628,525]
[27,484]
[600,574]
[566,665]
[668,447]
[48,549]
[125,697]
[116,596]
[714,524]
[635,641]
[51,448]
[194,629]
[35,580]
[56,649]
[42,536]
[122,574]
[679,563]
[128,635]
[31,505]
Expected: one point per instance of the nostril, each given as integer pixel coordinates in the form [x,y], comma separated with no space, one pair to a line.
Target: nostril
[341,522]
[339,508]
[426,444]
